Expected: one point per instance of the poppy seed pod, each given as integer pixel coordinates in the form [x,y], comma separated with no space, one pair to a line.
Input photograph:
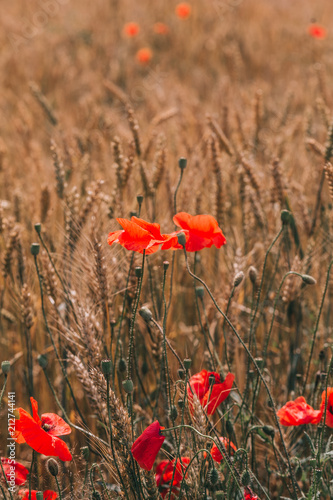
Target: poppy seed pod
[139,199]
[165,265]
[182,162]
[38,228]
[39,495]
[199,291]
[34,249]
[128,386]
[187,363]
[52,466]
[219,495]
[138,271]
[5,367]
[285,216]
[106,367]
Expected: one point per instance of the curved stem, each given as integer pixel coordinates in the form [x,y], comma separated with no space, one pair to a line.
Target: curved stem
[294,484]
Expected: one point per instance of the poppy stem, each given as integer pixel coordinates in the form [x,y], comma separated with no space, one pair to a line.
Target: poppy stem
[135,308]
[3,388]
[58,486]
[102,478]
[30,475]
[203,450]
[294,484]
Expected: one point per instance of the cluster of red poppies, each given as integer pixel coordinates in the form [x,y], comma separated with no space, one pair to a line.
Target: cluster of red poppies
[200,231]
[210,391]
[298,412]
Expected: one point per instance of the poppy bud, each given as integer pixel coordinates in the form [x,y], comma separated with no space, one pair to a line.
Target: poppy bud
[181,239]
[34,249]
[260,362]
[5,367]
[246,478]
[173,413]
[165,265]
[52,466]
[253,273]
[182,162]
[42,361]
[128,386]
[199,291]
[213,476]
[308,280]
[285,217]
[269,430]
[106,367]
[122,365]
[39,495]
[38,228]
[187,363]
[146,314]
[85,453]
[138,271]
[238,279]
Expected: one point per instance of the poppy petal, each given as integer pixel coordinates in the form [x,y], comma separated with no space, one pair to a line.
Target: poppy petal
[219,392]
[21,472]
[147,446]
[34,406]
[56,425]
[298,412]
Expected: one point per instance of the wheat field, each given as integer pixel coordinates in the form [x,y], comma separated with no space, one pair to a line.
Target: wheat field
[111,110]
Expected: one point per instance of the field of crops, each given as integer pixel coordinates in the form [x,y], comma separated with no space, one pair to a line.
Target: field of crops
[166,246]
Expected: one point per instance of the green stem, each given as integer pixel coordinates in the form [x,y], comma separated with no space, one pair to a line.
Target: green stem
[58,486]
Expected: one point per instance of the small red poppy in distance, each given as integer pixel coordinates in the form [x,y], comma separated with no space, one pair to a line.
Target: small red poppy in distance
[139,235]
[183,10]
[161,29]
[164,473]
[298,412]
[329,407]
[40,434]
[47,495]
[203,231]
[210,396]
[147,446]
[317,31]
[144,55]
[131,29]
[20,471]
[229,446]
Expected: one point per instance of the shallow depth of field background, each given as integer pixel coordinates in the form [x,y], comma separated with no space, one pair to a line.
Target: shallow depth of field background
[248,68]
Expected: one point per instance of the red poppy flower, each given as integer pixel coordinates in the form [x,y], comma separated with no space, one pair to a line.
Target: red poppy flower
[329,408]
[161,29]
[131,29]
[203,231]
[298,412]
[147,446]
[317,31]
[164,473]
[183,10]
[229,446]
[139,235]
[14,469]
[40,434]
[47,495]
[210,397]
[144,55]
[248,495]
